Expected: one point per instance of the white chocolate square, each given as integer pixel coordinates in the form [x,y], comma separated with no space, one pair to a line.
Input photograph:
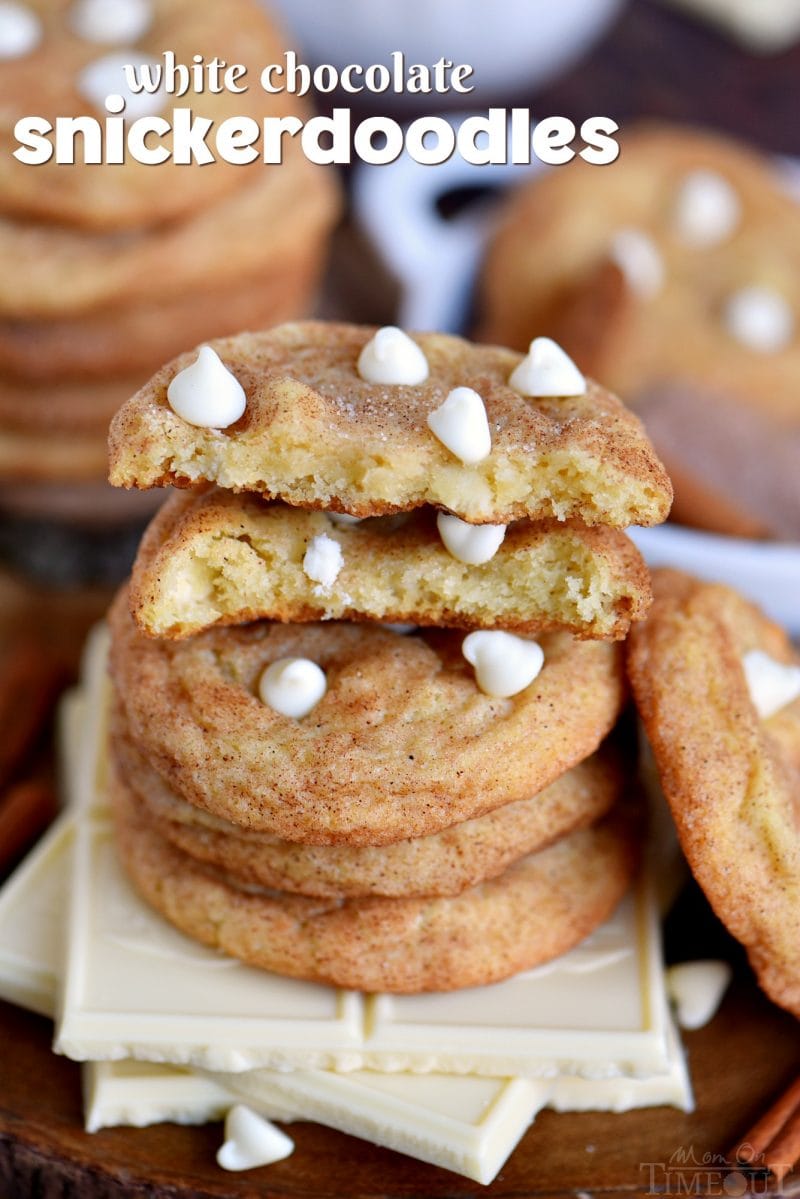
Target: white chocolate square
[136,987]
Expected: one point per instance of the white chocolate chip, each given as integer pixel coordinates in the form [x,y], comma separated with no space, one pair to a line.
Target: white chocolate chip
[20,30]
[547,370]
[111,21]
[471,544]
[323,560]
[760,319]
[638,258]
[707,209]
[392,357]
[206,393]
[251,1141]
[504,664]
[460,423]
[772,685]
[106,77]
[696,989]
[292,686]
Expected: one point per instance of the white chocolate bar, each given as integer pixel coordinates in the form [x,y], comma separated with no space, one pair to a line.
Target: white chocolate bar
[460,1122]
[136,987]
[32,903]
[465,1123]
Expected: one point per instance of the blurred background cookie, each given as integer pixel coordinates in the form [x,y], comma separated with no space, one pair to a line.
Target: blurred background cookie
[673,276]
[108,270]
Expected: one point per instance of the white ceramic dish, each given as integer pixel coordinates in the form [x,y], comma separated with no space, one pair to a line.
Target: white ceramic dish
[435,261]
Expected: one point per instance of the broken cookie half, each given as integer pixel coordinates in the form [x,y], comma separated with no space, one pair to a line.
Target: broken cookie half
[214,557]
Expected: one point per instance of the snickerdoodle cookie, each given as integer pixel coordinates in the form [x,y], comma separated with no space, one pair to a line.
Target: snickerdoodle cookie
[59,273]
[117,341]
[539,908]
[316,434]
[444,863]
[218,558]
[403,743]
[36,457]
[718,688]
[673,277]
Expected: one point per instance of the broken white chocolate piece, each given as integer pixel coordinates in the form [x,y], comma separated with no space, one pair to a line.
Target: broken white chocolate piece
[460,423]
[772,685]
[546,370]
[251,1141]
[392,357]
[707,209]
[760,319]
[696,989]
[472,544]
[292,686]
[637,256]
[138,1094]
[323,560]
[504,663]
[206,393]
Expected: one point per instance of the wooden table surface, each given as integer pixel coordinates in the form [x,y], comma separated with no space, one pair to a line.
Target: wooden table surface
[655,63]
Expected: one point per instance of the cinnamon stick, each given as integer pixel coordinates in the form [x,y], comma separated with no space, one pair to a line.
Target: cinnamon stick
[774,1140]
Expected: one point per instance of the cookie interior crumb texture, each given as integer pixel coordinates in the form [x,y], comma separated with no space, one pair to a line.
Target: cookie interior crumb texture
[218,558]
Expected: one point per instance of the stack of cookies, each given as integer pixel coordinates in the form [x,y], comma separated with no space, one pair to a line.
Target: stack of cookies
[338,752]
[109,269]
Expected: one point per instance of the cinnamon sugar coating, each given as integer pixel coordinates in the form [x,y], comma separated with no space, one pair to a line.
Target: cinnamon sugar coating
[731,778]
[315,435]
